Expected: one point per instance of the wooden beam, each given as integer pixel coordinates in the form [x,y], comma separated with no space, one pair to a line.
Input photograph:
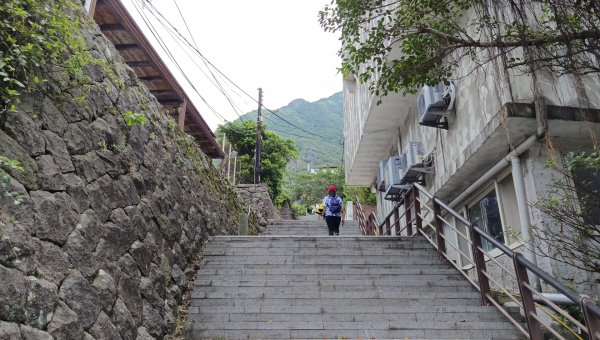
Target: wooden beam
[170,102]
[150,78]
[140,63]
[200,137]
[181,115]
[159,92]
[127,47]
[90,6]
[111,27]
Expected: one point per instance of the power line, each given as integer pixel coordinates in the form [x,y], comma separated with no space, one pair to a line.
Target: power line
[181,37]
[170,55]
[218,84]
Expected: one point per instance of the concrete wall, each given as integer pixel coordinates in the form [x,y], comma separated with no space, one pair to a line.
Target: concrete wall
[112,216]
[480,114]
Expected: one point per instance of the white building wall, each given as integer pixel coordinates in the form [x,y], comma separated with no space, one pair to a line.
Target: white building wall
[480,97]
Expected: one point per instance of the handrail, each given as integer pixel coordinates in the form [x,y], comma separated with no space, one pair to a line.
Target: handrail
[368,224]
[412,207]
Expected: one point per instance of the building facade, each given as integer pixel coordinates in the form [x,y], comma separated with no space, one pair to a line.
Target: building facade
[490,161]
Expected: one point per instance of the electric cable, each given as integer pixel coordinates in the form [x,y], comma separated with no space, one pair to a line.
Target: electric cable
[181,37]
[170,55]
[218,84]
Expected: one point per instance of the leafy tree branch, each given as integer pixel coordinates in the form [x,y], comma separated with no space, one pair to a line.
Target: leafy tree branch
[402,45]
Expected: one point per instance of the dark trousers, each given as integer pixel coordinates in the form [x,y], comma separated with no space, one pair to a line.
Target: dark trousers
[333,224]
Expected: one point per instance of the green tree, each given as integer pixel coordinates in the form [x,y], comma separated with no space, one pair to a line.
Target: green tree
[572,202]
[276,153]
[434,36]
[312,187]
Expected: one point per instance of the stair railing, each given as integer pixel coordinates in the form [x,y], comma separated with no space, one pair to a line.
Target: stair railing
[469,249]
[369,225]
[401,219]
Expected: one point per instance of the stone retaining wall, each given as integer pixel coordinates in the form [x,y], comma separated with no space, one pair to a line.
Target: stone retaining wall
[257,196]
[112,216]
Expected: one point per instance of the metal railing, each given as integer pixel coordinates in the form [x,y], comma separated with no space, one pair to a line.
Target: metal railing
[369,225]
[476,254]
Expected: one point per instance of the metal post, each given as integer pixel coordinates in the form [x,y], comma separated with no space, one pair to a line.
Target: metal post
[478,258]
[90,6]
[181,116]
[418,219]
[243,229]
[439,228]
[592,321]
[234,167]
[388,226]
[397,221]
[408,215]
[257,168]
[229,161]
[535,331]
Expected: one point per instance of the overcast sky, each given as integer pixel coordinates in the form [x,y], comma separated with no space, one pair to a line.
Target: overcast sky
[274,44]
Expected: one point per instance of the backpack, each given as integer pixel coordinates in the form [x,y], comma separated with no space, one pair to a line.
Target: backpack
[335,205]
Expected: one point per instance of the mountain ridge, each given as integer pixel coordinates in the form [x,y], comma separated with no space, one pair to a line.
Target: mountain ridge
[317,128]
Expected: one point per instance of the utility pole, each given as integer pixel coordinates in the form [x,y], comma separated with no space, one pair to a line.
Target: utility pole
[257,168]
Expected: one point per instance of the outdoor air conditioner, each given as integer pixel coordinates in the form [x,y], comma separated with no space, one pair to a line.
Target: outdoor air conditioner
[435,104]
[394,187]
[412,162]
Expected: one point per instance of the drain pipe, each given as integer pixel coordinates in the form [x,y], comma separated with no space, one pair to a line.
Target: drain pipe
[524,220]
[503,163]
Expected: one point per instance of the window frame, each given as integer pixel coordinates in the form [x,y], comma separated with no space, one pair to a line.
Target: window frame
[510,241]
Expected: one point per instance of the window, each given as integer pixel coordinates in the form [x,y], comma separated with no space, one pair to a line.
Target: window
[587,187]
[485,212]
[495,210]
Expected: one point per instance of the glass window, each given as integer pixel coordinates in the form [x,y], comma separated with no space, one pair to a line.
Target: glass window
[485,213]
[587,187]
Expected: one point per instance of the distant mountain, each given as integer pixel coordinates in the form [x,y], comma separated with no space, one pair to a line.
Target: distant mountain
[321,141]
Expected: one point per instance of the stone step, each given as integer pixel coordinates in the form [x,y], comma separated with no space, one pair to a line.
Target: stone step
[399,310]
[328,333]
[354,330]
[407,301]
[341,270]
[315,260]
[223,314]
[354,251]
[298,286]
[279,282]
[446,287]
[340,293]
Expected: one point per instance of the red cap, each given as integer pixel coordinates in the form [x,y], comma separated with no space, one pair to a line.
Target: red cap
[331,188]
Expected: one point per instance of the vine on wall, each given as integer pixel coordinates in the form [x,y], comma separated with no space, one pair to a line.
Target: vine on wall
[36,36]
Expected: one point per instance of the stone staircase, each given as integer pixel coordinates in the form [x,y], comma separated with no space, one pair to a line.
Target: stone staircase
[296,283]
[310,227]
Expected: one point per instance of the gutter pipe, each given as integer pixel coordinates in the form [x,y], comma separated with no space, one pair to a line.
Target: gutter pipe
[512,158]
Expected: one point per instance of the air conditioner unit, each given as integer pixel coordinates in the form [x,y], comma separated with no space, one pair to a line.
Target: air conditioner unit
[435,104]
[412,162]
[394,188]
[391,174]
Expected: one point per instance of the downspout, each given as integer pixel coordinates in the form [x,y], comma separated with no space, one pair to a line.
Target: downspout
[524,220]
[503,163]
[513,159]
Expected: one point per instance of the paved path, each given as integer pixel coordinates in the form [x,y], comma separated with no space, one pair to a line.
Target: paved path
[305,285]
